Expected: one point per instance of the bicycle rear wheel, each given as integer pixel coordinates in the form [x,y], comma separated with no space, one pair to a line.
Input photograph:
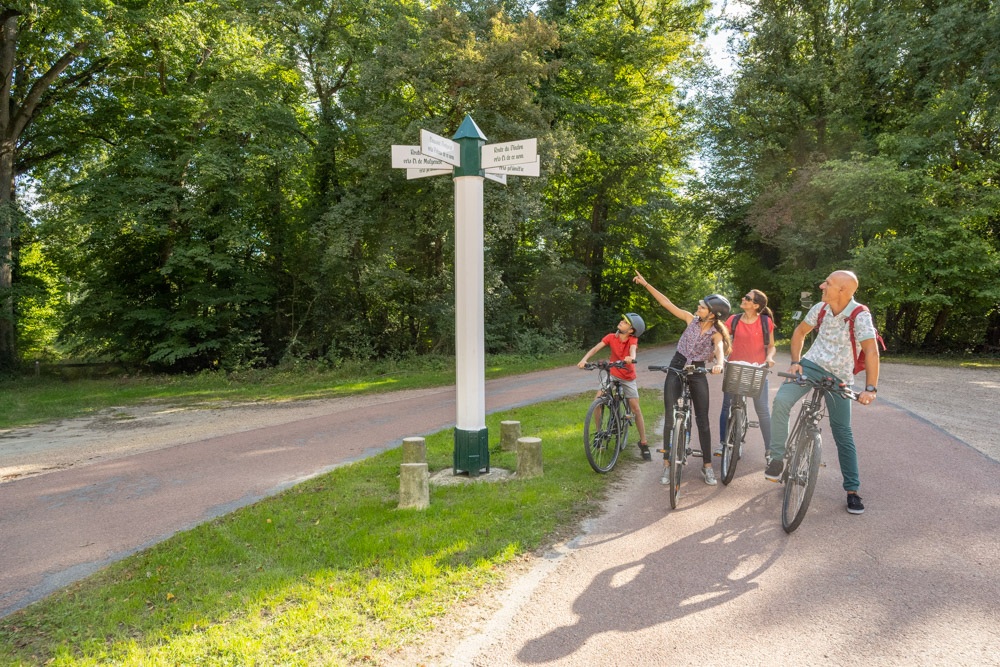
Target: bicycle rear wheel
[677,449]
[601,436]
[801,481]
[735,432]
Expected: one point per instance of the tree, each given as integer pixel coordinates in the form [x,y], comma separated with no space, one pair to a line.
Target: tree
[53,55]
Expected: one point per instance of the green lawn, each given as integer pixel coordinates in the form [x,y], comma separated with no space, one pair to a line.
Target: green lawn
[32,400]
[328,572]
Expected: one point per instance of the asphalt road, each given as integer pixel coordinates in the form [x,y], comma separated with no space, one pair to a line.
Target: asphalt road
[912,581]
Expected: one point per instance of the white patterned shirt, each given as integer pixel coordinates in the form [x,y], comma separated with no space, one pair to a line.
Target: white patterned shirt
[832,349]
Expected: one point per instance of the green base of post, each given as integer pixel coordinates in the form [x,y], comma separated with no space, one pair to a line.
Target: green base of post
[472,452]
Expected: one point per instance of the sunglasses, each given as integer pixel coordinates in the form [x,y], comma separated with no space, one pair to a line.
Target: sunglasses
[748,297]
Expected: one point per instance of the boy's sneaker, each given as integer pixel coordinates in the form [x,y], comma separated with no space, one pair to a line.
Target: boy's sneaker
[709,476]
[774,468]
[718,450]
[644,450]
[854,504]
[665,477]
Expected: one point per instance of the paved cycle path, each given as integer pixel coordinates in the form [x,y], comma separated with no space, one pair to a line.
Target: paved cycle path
[62,526]
[913,581]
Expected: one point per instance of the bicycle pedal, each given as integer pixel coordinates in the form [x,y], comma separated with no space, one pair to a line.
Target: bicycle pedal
[754,424]
[662,451]
[695,453]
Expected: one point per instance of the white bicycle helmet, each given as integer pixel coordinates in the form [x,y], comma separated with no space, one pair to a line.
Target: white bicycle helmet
[636,321]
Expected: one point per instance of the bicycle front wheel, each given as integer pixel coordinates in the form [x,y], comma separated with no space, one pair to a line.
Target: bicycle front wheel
[736,431]
[801,481]
[600,436]
[677,449]
[625,423]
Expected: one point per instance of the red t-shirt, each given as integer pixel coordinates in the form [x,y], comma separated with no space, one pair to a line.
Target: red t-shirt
[620,350]
[748,341]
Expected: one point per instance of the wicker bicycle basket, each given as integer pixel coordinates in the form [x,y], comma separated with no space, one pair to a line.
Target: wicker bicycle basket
[743,379]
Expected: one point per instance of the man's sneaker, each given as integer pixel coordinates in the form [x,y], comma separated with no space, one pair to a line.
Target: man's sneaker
[718,450]
[854,504]
[709,476]
[774,468]
[665,477]
[644,450]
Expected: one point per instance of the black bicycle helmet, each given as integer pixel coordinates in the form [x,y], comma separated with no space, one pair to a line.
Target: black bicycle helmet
[718,305]
[637,324]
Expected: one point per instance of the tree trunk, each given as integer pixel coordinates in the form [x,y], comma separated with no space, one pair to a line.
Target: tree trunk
[8,339]
[8,144]
[992,339]
[935,332]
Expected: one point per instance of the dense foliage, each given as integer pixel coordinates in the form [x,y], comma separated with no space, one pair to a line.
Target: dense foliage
[200,184]
[234,204]
[865,134]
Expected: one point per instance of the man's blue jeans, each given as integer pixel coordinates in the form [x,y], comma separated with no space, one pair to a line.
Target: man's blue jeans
[839,411]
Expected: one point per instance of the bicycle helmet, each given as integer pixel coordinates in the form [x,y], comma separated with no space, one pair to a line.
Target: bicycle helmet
[719,305]
[637,324]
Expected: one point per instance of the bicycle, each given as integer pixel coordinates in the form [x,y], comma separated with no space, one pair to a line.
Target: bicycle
[742,380]
[605,431]
[804,448]
[680,437]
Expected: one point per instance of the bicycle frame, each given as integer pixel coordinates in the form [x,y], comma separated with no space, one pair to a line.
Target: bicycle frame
[677,452]
[799,476]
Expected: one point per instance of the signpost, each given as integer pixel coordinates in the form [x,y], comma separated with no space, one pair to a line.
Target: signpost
[469,154]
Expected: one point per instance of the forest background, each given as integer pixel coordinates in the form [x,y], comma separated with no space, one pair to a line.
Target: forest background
[192,185]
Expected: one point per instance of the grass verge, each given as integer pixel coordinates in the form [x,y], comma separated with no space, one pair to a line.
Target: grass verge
[28,401]
[328,572]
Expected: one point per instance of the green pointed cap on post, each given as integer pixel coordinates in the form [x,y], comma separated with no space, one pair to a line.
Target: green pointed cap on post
[470,140]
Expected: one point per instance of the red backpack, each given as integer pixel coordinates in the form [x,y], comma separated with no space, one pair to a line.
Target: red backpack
[859,355]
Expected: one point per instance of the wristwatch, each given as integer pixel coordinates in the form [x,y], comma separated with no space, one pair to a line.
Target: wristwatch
[872,388]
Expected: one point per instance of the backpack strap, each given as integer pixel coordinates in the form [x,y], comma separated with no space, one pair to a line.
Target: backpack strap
[732,323]
[853,316]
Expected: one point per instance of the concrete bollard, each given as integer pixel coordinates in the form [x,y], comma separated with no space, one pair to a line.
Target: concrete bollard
[414,491]
[510,431]
[414,450]
[529,457]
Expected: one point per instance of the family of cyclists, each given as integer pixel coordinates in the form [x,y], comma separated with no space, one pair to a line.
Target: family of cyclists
[844,345]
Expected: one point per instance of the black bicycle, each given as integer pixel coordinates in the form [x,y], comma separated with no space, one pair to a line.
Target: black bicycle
[742,380]
[605,431]
[678,447]
[804,447]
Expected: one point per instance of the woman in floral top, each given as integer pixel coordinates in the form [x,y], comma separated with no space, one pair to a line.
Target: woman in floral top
[705,339]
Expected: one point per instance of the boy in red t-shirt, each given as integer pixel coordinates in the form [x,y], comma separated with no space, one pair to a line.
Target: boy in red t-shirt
[624,343]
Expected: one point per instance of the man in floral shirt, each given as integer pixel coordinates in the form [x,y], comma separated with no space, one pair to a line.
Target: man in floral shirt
[830,354]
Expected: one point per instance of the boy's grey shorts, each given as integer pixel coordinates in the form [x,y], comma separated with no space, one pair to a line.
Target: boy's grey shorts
[629,387]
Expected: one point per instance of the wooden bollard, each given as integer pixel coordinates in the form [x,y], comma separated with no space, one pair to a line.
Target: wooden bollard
[414,450]
[510,431]
[529,457]
[414,488]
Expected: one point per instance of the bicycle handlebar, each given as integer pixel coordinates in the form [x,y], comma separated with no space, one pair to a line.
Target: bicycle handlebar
[687,370]
[826,384]
[604,365]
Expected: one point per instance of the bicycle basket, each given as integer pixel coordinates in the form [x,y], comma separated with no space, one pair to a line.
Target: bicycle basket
[743,379]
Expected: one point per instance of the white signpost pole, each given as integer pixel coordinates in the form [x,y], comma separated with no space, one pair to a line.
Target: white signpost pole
[471,452]
[469,154]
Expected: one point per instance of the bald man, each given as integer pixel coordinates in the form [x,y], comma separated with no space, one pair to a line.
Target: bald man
[829,355]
